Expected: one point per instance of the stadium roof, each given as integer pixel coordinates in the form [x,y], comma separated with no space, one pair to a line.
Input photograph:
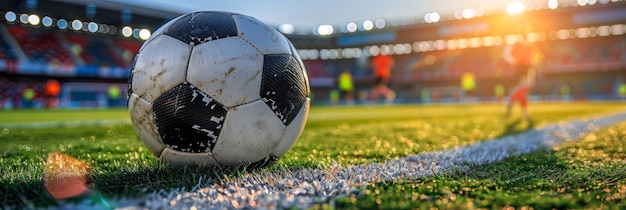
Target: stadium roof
[306,16]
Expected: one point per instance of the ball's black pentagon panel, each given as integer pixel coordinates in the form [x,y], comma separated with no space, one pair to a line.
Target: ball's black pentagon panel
[187,119]
[269,160]
[130,80]
[296,55]
[283,86]
[200,27]
[158,32]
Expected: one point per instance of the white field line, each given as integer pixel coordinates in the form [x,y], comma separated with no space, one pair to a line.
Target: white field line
[303,188]
[53,124]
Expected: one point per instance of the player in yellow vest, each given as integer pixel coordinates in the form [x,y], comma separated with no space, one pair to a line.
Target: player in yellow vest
[468,84]
[346,87]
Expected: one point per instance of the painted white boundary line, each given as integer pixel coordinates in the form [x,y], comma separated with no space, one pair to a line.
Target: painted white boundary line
[65,124]
[303,188]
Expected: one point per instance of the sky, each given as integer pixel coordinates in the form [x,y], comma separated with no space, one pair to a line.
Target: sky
[306,15]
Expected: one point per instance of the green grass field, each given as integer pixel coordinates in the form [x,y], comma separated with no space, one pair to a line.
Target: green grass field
[589,173]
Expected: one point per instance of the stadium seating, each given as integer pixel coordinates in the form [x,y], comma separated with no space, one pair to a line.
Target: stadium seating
[591,66]
[96,50]
[40,45]
[6,52]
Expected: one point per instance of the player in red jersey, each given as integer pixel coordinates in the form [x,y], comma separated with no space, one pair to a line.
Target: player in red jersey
[382,70]
[521,56]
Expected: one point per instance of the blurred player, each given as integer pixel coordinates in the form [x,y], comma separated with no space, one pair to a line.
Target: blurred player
[520,56]
[499,91]
[51,92]
[346,87]
[468,85]
[28,95]
[382,70]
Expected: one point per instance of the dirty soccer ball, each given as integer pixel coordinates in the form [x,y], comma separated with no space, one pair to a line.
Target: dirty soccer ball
[218,89]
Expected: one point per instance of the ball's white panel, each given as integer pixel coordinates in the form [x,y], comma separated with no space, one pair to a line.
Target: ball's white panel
[143,121]
[161,66]
[250,133]
[265,38]
[293,130]
[229,70]
[178,158]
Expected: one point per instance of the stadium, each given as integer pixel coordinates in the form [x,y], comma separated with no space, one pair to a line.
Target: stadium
[430,143]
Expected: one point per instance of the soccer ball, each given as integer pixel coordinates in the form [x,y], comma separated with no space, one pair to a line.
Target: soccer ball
[218,89]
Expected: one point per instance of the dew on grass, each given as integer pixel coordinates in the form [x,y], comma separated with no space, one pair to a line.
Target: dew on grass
[24,147]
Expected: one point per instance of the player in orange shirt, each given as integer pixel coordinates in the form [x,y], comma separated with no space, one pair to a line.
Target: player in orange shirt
[382,70]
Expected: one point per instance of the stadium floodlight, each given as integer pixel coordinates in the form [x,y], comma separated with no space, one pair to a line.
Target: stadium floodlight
[10,16]
[617,29]
[592,31]
[24,18]
[368,25]
[112,29]
[34,19]
[468,13]
[435,17]
[380,23]
[103,28]
[373,50]
[553,4]
[77,25]
[144,34]
[582,33]
[286,28]
[515,8]
[62,24]
[352,27]
[136,33]
[46,21]
[92,27]
[432,17]
[458,14]
[325,30]
[127,31]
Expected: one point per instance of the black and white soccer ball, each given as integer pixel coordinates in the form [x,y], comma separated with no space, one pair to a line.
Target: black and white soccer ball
[218,89]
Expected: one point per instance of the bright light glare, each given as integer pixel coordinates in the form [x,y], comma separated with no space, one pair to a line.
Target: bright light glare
[77,25]
[24,18]
[368,25]
[127,31]
[286,28]
[432,17]
[380,23]
[47,21]
[435,17]
[144,34]
[34,19]
[553,4]
[92,27]
[352,27]
[325,30]
[515,8]
[468,13]
[10,16]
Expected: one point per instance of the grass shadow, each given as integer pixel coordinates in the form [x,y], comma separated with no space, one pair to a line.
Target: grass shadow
[516,126]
